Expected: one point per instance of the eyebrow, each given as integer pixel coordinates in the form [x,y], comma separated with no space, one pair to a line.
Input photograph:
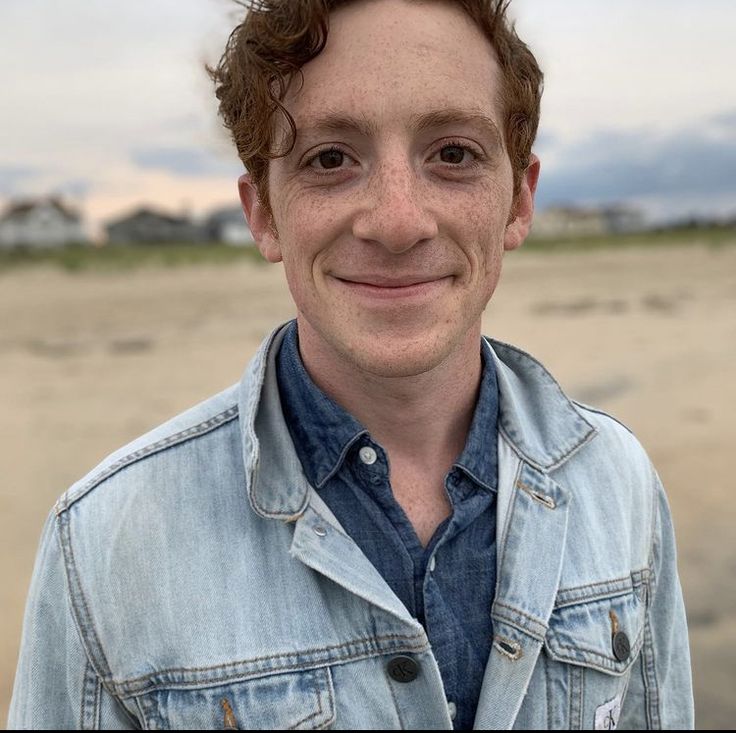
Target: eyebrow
[342,123]
[451,116]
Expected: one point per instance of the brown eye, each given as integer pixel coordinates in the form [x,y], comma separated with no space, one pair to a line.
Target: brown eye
[452,154]
[331,159]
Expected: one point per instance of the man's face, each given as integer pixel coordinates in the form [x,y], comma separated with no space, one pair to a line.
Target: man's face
[393,210]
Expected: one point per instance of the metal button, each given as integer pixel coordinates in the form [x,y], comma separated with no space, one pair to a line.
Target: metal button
[432,564]
[621,646]
[403,669]
[320,531]
[452,709]
[367,455]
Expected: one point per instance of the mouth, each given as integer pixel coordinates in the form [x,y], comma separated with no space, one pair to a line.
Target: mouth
[391,288]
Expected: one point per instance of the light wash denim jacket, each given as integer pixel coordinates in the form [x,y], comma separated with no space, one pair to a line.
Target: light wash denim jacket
[195,580]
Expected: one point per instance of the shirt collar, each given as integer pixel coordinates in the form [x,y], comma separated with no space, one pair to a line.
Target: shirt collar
[479,459]
[323,432]
[536,419]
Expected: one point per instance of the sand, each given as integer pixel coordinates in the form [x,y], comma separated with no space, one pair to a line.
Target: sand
[89,361]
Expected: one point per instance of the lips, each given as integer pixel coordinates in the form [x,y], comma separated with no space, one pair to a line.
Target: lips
[382,288]
[383,281]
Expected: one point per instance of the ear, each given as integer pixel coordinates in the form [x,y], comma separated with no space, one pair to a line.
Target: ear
[522,209]
[259,219]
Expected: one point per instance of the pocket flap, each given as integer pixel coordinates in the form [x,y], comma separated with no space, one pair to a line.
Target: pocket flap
[605,634]
[299,700]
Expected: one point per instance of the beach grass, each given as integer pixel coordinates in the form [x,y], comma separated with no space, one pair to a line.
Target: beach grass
[83,257]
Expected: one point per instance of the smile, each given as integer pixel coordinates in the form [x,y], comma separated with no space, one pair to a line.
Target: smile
[381,288]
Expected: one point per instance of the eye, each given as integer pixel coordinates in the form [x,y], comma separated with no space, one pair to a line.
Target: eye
[328,159]
[454,154]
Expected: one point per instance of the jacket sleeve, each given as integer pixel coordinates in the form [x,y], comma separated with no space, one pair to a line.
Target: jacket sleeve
[660,694]
[55,685]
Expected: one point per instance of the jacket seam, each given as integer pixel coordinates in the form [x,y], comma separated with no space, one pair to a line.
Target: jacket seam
[635,647]
[517,611]
[411,643]
[651,683]
[596,411]
[203,428]
[630,576]
[316,688]
[638,579]
[504,538]
[76,596]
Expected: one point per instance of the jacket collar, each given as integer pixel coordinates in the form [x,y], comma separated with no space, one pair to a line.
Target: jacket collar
[536,418]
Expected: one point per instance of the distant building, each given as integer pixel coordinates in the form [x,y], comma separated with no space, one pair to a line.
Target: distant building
[40,223]
[576,221]
[228,225]
[145,226]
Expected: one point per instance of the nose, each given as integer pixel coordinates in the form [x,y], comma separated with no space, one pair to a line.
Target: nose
[394,210]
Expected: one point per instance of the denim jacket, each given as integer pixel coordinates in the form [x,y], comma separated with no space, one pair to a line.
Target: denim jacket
[195,580]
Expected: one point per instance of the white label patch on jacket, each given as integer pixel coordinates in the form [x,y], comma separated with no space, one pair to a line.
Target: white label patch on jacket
[606,715]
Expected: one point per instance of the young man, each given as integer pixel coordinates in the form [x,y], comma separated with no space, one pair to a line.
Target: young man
[391,522]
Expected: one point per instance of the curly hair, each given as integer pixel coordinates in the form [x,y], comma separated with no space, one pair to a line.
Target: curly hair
[277,37]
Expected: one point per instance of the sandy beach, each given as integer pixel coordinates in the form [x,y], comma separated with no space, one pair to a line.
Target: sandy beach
[90,360]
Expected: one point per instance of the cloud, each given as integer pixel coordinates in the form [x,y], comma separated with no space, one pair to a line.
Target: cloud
[726,119]
[12,176]
[612,166]
[182,161]
[75,187]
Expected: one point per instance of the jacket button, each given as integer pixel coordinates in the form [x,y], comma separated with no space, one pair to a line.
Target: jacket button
[621,646]
[403,669]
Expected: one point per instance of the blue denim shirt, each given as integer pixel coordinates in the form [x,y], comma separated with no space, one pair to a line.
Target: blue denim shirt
[447,585]
[195,579]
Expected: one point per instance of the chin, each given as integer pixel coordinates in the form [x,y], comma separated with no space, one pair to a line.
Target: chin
[397,356]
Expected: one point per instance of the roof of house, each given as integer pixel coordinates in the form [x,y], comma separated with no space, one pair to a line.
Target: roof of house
[145,212]
[21,208]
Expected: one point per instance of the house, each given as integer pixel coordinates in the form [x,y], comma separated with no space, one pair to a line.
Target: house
[40,223]
[578,221]
[228,225]
[146,225]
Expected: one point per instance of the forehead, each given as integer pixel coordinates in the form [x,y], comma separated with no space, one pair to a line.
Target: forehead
[387,60]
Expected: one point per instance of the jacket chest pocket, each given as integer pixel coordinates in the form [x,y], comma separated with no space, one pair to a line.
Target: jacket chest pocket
[590,648]
[293,701]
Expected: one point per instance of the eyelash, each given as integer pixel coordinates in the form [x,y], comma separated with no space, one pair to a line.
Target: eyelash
[477,157]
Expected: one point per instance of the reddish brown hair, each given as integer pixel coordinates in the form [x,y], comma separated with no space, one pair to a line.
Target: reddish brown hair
[277,37]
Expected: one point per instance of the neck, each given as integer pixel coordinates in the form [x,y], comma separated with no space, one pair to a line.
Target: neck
[422,418]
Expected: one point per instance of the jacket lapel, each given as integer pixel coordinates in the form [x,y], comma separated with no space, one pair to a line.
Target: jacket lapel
[532,524]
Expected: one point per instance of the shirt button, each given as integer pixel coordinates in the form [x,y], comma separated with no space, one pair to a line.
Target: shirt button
[367,455]
[403,669]
[621,646]
[452,709]
[432,564]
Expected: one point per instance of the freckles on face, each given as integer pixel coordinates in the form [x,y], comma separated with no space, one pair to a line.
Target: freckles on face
[392,243]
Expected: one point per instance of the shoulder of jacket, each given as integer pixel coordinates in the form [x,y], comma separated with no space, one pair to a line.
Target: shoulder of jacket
[612,432]
[187,427]
[615,459]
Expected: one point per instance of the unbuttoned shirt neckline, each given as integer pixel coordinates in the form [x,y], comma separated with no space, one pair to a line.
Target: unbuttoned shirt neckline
[448,586]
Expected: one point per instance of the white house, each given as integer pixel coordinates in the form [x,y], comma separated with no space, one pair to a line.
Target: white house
[578,221]
[40,223]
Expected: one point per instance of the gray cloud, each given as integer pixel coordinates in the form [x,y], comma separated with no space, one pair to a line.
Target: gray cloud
[610,166]
[184,162]
[75,187]
[726,119]
[13,176]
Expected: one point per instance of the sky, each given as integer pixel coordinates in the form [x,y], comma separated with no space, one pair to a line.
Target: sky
[107,104]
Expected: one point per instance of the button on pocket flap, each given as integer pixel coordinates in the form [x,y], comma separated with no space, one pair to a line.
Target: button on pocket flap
[300,700]
[605,634]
